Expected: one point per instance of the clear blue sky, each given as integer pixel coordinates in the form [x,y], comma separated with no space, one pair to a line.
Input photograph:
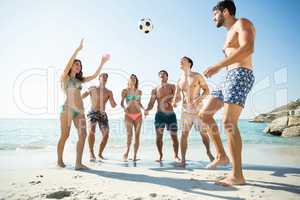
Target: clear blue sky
[42,34]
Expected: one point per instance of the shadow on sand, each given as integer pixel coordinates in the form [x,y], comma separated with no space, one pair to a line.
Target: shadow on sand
[274,170]
[176,183]
[194,185]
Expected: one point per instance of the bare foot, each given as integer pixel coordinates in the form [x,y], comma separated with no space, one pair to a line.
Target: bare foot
[101,157]
[61,164]
[135,159]
[92,157]
[218,162]
[125,157]
[181,164]
[230,181]
[160,158]
[177,159]
[80,167]
[210,156]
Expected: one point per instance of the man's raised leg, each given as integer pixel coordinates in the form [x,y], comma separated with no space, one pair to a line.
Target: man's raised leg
[207,117]
[205,140]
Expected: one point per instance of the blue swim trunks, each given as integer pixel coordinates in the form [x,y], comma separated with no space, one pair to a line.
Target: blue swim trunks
[168,119]
[236,87]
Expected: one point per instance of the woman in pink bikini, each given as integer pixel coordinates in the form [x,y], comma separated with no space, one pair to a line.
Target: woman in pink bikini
[133,115]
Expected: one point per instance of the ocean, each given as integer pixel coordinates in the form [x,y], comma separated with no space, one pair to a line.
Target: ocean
[16,134]
[38,138]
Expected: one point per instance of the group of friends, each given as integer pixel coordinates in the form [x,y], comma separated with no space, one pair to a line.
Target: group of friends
[191,88]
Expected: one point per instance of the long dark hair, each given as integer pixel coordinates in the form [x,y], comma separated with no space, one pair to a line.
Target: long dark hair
[79,74]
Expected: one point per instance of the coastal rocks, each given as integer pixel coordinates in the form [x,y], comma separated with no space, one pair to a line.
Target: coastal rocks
[294,121]
[277,126]
[263,118]
[284,126]
[283,121]
[291,131]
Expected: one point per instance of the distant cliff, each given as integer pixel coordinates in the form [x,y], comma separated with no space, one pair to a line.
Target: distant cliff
[282,121]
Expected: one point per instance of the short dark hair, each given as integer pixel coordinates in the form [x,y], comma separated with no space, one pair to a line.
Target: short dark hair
[103,74]
[163,71]
[226,4]
[189,60]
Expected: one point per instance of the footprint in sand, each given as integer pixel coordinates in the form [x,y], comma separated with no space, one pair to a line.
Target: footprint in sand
[153,195]
[77,176]
[35,182]
[255,195]
[58,194]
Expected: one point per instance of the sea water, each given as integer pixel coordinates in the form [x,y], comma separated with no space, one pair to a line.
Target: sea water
[38,137]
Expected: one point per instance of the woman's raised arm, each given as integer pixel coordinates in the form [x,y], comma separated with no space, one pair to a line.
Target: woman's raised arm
[104,59]
[71,61]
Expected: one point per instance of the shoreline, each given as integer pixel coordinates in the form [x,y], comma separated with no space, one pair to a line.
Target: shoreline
[253,154]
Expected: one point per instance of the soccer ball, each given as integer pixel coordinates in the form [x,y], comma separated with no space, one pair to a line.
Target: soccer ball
[145,25]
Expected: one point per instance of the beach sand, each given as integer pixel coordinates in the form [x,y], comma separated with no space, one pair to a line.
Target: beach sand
[117,180]
[271,171]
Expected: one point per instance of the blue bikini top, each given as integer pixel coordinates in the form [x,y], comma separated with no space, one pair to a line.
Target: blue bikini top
[74,83]
[132,97]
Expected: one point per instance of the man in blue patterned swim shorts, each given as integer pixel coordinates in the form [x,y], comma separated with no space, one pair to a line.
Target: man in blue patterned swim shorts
[238,50]
[99,97]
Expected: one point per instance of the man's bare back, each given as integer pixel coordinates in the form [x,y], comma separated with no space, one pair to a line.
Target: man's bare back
[99,97]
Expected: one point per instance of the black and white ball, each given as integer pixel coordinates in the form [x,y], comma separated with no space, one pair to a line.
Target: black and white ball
[146,25]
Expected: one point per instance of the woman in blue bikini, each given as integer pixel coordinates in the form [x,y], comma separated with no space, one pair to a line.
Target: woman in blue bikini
[133,115]
[72,110]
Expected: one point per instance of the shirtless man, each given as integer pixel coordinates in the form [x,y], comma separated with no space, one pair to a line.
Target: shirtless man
[194,89]
[238,49]
[165,116]
[99,97]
